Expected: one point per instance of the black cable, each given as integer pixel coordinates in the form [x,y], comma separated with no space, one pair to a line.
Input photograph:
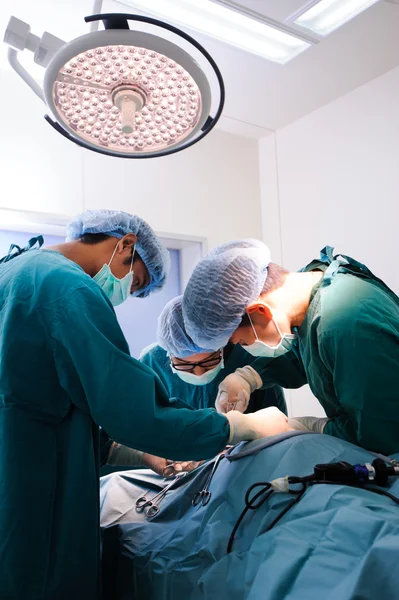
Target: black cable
[265,487]
[235,528]
[384,493]
[294,480]
[267,490]
[250,505]
[287,508]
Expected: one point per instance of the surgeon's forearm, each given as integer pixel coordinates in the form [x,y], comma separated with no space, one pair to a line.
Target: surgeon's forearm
[141,416]
[124,456]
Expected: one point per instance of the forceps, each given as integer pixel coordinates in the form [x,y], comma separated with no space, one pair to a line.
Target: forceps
[150,506]
[169,470]
[230,405]
[204,495]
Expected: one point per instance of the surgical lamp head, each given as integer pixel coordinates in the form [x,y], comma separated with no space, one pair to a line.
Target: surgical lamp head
[121,92]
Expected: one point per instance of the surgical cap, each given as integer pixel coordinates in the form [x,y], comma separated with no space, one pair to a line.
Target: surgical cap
[171,333]
[222,285]
[117,223]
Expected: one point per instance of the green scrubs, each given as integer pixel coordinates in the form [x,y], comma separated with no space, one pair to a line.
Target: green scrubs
[349,346]
[196,396]
[204,396]
[65,369]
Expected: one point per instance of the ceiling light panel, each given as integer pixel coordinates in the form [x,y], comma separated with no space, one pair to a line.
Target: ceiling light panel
[327,15]
[228,26]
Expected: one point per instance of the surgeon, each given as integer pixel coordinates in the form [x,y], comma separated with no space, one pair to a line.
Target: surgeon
[192,375]
[335,316]
[65,370]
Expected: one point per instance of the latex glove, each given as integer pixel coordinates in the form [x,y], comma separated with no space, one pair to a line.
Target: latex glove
[236,389]
[263,423]
[157,464]
[314,424]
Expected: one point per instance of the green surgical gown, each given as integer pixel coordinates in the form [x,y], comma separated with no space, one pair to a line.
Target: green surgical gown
[65,369]
[196,396]
[349,348]
[204,396]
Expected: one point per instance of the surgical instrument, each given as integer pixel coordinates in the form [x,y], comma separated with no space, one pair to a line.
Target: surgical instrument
[169,470]
[150,506]
[204,495]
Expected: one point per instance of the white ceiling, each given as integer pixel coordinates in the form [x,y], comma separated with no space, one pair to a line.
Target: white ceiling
[261,96]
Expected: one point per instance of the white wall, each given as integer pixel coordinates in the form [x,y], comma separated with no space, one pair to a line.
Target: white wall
[210,190]
[338,173]
[333,178]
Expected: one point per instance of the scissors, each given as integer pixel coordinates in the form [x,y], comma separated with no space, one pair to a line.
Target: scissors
[150,506]
[204,495]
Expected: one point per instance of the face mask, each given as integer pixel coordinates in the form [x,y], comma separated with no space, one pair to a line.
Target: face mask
[262,349]
[203,379]
[117,290]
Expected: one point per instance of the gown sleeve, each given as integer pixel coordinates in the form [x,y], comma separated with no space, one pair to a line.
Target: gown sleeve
[365,370]
[122,395]
[263,398]
[286,371]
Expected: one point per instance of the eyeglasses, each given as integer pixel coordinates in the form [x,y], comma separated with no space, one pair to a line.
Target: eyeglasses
[207,364]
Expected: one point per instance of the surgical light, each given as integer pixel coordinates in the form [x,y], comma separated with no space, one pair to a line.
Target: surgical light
[327,15]
[121,92]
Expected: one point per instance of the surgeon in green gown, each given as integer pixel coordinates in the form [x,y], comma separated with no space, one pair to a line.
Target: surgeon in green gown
[193,375]
[65,370]
[337,318]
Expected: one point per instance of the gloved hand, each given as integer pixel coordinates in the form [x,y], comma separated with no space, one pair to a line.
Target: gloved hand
[235,390]
[314,424]
[263,423]
[158,464]
[175,467]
